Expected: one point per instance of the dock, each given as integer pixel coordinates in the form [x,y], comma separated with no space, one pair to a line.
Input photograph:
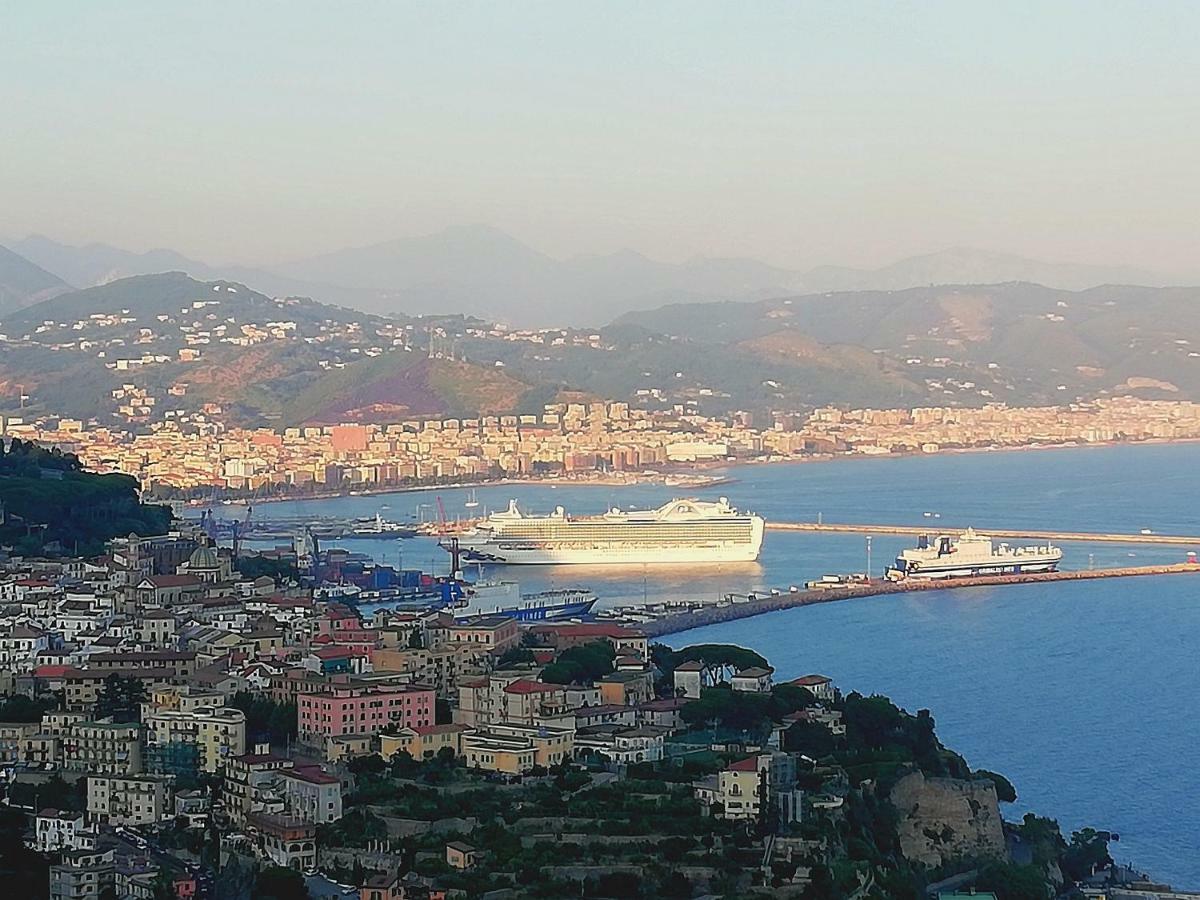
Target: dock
[728,612]
[1031,534]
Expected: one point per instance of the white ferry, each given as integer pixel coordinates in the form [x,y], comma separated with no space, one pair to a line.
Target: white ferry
[971,553]
[682,531]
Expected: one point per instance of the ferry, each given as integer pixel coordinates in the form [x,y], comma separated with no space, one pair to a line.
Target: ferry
[681,531]
[969,554]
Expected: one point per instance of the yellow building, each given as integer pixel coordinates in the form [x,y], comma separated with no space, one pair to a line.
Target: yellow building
[515,749]
[219,732]
[422,741]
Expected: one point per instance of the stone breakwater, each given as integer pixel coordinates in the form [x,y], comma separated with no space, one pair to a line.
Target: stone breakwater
[673,624]
[1031,534]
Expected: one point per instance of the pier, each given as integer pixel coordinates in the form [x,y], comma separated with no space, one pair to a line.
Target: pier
[1082,536]
[744,609]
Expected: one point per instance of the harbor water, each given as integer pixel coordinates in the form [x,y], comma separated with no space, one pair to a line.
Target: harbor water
[1083,694]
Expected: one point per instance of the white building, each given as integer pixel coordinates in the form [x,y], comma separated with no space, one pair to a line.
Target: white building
[57,830]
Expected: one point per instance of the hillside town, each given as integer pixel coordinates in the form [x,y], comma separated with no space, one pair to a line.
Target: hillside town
[173,728]
[567,440]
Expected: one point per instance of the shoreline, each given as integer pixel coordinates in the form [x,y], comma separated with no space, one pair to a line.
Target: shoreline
[695,471]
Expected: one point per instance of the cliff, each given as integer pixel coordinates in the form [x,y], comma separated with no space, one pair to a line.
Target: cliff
[943,818]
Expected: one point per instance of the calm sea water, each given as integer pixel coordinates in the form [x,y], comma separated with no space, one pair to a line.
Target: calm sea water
[1083,694]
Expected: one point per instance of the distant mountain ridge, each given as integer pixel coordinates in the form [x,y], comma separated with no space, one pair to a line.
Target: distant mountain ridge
[276,362]
[482,271]
[24,283]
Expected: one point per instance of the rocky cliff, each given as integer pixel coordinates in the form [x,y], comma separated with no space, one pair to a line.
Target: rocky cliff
[941,818]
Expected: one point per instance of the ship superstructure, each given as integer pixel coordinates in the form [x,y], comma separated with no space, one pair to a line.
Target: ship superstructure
[968,554]
[681,531]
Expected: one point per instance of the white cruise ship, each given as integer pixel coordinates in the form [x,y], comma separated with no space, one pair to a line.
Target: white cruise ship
[970,554]
[682,531]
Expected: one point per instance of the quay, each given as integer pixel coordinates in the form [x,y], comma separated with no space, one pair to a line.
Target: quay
[675,623]
[1085,536]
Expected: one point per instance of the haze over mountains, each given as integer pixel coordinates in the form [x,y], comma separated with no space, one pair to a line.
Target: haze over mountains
[482,271]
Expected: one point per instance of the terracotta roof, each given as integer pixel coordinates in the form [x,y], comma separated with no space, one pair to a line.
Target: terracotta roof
[749,764]
[54,671]
[806,680]
[311,774]
[525,686]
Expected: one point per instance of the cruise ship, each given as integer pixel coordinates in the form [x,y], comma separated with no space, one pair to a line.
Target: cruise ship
[971,553]
[682,531]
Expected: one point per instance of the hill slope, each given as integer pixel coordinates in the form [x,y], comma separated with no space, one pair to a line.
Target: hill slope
[1014,341]
[23,283]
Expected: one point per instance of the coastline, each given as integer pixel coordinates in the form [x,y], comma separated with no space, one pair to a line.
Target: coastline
[696,472]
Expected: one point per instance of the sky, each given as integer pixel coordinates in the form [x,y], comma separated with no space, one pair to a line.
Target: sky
[800,133]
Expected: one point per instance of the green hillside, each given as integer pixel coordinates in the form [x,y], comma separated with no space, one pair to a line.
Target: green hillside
[49,503]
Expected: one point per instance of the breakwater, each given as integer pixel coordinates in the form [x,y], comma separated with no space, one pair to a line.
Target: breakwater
[1032,534]
[672,624]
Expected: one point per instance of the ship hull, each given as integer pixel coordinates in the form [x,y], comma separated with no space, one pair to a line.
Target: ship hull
[573,609]
[508,553]
[976,569]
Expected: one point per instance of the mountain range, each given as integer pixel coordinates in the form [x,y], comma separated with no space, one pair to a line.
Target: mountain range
[94,353]
[23,283]
[482,271]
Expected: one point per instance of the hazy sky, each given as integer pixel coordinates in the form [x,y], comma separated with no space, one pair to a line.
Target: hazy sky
[801,133]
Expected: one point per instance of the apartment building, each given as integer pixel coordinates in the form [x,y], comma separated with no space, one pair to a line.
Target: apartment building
[128,799]
[358,707]
[218,732]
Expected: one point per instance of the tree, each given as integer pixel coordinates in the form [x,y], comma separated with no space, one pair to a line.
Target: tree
[515,656]
[415,641]
[26,873]
[1087,852]
[279,883]
[1005,792]
[740,710]
[674,885]
[582,664]
[20,708]
[121,698]
[266,718]
[1009,881]
[666,659]
[812,739]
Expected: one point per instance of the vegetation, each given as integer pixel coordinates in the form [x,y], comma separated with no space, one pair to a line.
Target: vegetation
[24,872]
[256,566]
[279,883]
[265,718]
[51,505]
[581,664]
[20,708]
[121,699]
[667,660]
[515,656]
[741,710]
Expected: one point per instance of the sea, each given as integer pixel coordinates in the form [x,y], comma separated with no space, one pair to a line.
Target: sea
[1083,694]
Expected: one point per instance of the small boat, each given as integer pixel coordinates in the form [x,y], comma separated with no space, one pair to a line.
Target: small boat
[472,502]
[1147,531]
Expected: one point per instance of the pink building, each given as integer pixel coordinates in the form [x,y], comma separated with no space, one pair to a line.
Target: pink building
[349,708]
